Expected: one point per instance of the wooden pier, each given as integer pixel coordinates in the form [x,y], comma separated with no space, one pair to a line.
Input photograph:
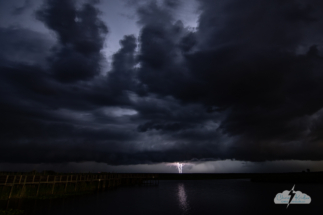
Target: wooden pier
[38,184]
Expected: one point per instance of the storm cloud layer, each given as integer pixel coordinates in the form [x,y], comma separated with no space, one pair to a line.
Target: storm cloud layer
[246,84]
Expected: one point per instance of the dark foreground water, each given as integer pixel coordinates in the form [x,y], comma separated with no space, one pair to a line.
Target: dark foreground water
[180,197]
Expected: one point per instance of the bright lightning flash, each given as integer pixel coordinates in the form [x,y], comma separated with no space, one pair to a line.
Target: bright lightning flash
[178,165]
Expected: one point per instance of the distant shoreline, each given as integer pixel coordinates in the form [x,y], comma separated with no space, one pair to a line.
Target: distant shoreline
[293,177]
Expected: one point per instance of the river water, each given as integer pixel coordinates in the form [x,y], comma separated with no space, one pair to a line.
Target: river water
[180,197]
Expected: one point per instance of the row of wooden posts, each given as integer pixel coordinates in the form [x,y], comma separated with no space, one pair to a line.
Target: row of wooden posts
[102,180]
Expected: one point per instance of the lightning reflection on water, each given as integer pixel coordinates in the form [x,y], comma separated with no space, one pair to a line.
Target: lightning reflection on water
[182,198]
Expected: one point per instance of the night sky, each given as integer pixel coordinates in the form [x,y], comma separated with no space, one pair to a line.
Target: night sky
[131,86]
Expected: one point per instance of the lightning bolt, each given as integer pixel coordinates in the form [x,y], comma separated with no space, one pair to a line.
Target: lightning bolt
[292,194]
[180,167]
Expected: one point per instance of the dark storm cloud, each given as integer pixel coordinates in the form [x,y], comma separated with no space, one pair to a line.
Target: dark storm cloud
[172,3]
[21,9]
[173,126]
[81,35]
[251,66]
[247,85]
[45,115]
[162,44]
[244,64]
[122,75]
[23,45]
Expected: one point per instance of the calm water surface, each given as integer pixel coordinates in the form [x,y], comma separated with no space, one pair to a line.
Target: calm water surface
[180,197]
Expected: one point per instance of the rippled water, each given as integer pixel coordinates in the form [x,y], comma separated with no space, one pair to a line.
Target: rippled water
[180,197]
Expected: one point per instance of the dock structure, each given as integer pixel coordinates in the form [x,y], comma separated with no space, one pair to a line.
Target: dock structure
[27,185]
